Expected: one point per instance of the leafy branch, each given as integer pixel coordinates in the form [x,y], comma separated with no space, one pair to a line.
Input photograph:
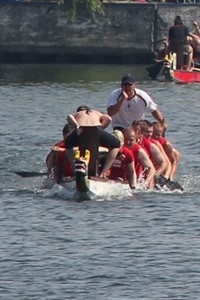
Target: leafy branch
[92,7]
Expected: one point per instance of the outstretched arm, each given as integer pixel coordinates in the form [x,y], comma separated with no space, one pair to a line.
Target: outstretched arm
[72,121]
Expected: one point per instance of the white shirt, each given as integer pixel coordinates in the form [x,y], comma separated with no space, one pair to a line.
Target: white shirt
[131,110]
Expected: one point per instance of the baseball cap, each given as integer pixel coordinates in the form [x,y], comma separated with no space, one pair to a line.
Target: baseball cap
[128,79]
[119,135]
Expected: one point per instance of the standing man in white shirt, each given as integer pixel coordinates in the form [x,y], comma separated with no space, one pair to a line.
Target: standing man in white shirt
[128,104]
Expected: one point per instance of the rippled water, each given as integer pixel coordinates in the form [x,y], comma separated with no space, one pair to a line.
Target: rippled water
[139,246]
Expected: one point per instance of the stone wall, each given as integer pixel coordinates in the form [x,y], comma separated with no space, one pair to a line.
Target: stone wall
[32,32]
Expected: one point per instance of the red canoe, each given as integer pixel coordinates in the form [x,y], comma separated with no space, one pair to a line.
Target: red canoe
[183,76]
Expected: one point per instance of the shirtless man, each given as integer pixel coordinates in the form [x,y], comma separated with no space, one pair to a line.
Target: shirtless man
[197,28]
[87,117]
[194,40]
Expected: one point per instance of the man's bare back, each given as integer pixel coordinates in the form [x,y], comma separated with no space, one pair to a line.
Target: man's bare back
[89,118]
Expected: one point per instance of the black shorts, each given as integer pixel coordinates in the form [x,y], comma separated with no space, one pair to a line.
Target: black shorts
[106,139]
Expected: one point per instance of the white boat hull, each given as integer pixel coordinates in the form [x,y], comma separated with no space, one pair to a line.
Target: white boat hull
[96,188]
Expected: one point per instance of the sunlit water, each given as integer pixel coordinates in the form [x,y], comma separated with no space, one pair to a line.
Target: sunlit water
[140,245]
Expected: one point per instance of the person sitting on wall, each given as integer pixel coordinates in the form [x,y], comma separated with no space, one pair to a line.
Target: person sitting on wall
[197,28]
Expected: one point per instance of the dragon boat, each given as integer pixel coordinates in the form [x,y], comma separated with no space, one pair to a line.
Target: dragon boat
[86,183]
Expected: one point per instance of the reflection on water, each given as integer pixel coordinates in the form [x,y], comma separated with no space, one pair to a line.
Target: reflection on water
[67,73]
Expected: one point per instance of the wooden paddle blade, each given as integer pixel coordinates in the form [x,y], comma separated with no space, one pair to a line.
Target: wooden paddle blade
[27,174]
[161,181]
[174,185]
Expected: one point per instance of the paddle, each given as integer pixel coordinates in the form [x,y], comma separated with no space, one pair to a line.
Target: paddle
[27,174]
[170,184]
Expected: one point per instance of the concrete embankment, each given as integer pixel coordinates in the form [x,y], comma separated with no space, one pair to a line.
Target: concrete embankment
[126,33]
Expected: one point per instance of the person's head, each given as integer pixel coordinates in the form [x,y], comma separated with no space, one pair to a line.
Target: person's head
[66,130]
[119,135]
[130,137]
[157,130]
[178,21]
[83,107]
[148,129]
[140,127]
[128,84]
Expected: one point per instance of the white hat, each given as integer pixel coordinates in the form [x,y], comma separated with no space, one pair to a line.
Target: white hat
[119,135]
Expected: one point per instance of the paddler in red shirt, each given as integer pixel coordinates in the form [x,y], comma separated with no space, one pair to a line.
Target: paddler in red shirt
[143,165]
[56,161]
[152,150]
[171,152]
[148,132]
[123,167]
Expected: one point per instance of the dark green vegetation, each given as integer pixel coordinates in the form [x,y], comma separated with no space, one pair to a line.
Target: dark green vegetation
[76,7]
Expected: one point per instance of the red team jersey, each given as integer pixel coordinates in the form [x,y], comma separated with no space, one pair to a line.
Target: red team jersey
[61,162]
[118,169]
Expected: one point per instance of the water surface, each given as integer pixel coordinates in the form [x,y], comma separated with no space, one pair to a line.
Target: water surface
[139,246]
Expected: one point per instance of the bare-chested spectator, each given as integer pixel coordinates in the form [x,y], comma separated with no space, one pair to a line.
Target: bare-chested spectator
[194,40]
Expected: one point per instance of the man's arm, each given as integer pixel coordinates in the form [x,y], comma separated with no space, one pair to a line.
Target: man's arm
[159,117]
[72,121]
[105,120]
[132,178]
[197,28]
[147,164]
[113,109]
[158,160]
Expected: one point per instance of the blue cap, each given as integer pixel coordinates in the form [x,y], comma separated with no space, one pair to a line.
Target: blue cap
[128,79]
